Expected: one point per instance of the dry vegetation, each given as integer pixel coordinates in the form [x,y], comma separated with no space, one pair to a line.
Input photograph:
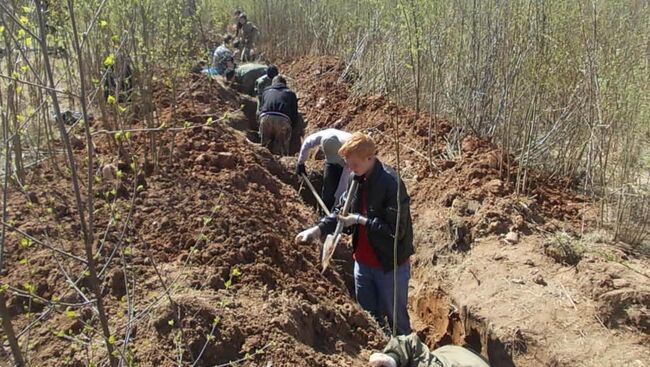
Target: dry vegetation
[560,86]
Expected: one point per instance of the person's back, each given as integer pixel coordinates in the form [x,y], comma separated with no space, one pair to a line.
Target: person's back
[264,82]
[278,98]
[409,351]
[278,116]
[246,75]
[223,57]
[220,58]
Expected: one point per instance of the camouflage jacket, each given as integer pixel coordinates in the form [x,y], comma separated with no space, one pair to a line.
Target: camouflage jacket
[248,35]
[409,351]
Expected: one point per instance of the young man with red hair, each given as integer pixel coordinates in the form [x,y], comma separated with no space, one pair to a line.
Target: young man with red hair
[373,218]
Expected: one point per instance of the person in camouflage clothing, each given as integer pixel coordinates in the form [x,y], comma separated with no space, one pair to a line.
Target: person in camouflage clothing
[262,83]
[409,351]
[244,76]
[248,34]
[222,58]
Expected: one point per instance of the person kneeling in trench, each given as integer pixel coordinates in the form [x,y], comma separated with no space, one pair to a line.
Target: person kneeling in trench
[409,351]
[279,117]
[374,215]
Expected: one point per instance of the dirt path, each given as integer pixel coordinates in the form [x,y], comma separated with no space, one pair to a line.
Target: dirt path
[554,298]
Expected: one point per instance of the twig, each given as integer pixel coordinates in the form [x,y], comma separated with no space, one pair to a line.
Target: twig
[86,231]
[41,243]
[234,363]
[474,275]
[600,321]
[568,296]
[18,23]
[171,285]
[50,89]
[23,294]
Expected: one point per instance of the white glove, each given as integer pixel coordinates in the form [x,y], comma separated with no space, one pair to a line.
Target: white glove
[308,235]
[352,219]
[381,360]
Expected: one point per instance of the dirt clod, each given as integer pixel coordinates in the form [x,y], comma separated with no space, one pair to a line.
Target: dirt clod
[562,253]
[539,279]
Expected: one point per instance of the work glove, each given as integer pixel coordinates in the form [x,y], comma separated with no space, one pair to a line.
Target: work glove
[309,235]
[300,169]
[351,220]
[381,360]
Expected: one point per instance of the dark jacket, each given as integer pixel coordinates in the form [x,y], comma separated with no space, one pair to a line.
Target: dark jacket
[381,185]
[279,98]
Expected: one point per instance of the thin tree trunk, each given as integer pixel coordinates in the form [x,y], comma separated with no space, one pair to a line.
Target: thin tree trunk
[87,235]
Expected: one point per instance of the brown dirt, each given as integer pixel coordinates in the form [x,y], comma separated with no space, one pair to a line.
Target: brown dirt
[215,220]
[216,223]
[548,300]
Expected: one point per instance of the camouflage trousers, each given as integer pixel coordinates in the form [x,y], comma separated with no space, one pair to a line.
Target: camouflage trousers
[275,133]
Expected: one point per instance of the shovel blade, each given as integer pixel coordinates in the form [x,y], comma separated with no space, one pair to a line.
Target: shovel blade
[328,250]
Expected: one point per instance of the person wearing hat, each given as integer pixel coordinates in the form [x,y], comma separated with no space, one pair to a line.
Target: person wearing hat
[248,34]
[335,172]
[279,117]
[409,351]
[262,83]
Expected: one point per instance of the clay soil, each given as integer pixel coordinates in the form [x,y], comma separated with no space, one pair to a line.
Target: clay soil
[198,252]
[560,295]
[199,265]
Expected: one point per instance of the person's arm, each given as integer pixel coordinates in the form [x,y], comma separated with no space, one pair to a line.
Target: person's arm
[386,225]
[339,194]
[214,59]
[256,90]
[327,224]
[294,109]
[310,142]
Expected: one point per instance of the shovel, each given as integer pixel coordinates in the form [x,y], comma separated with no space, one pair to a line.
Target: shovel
[333,239]
[313,191]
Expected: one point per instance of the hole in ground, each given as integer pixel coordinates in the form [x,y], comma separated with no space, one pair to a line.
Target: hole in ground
[441,323]
[245,119]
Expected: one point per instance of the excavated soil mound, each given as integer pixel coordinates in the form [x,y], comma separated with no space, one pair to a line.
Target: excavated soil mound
[477,181]
[198,253]
[509,275]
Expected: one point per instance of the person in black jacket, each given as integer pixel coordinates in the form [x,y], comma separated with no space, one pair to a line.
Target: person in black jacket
[379,203]
[278,116]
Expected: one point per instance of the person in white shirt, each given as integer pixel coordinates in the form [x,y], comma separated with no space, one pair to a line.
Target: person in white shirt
[335,172]
[223,57]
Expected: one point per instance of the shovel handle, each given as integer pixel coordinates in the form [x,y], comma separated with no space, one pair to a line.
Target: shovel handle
[346,207]
[333,239]
[316,196]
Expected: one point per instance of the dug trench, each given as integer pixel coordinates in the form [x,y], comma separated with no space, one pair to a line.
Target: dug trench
[509,276]
[436,317]
[205,269]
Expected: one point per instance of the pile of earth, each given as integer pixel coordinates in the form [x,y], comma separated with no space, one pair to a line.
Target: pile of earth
[196,248]
[475,179]
[517,276]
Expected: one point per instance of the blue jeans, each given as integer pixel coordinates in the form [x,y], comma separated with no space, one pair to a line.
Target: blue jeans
[374,291]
